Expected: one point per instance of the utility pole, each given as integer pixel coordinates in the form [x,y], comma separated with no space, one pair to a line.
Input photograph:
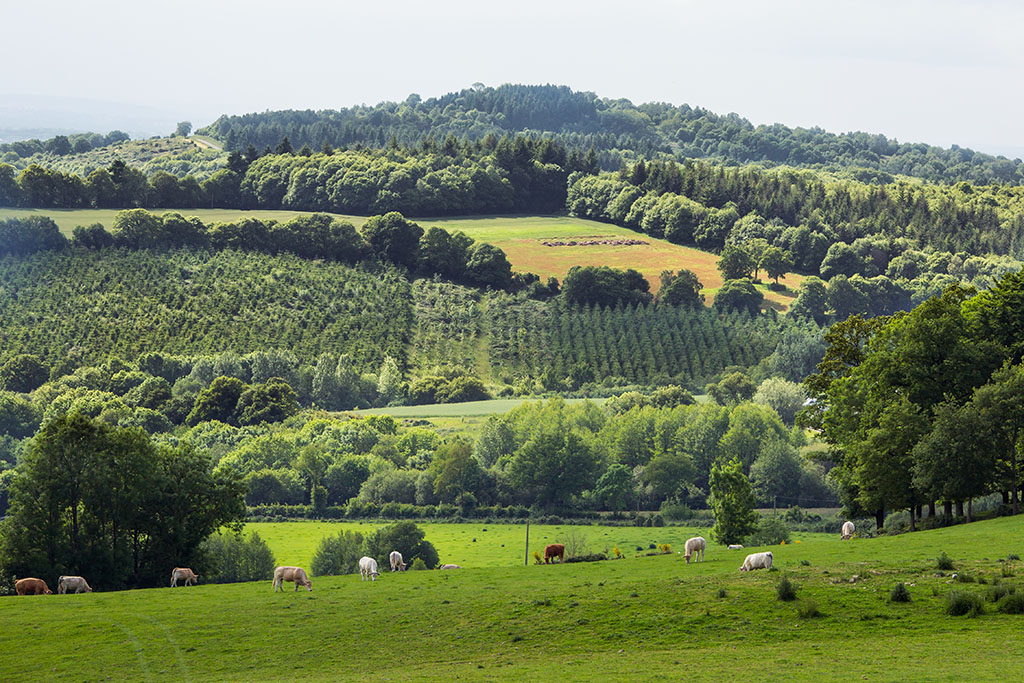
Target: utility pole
[526,554]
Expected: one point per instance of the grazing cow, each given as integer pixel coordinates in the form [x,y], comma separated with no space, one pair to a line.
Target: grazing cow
[296,574]
[183,574]
[552,551]
[757,561]
[847,532]
[368,568]
[397,563]
[695,545]
[32,586]
[449,566]
[735,546]
[72,584]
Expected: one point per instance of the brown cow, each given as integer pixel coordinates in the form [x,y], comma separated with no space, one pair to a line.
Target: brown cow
[32,586]
[552,551]
[183,573]
[296,574]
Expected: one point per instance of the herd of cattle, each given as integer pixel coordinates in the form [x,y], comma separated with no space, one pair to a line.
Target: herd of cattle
[694,549]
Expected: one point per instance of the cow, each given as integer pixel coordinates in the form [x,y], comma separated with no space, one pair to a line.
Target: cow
[757,561]
[397,563]
[32,586]
[449,566]
[368,568]
[735,546]
[696,546]
[72,584]
[296,574]
[184,574]
[847,532]
[552,551]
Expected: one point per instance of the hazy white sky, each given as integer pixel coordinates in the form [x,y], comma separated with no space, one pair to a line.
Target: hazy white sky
[937,71]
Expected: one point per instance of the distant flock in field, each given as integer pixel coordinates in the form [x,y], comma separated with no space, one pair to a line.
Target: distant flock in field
[368,570]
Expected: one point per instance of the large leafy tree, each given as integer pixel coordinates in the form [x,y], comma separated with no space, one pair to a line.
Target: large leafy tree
[552,466]
[732,501]
[393,238]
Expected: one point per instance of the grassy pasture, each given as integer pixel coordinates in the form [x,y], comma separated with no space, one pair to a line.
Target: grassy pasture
[467,409]
[645,618]
[519,236]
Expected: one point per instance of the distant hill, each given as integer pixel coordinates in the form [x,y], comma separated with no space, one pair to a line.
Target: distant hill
[617,129]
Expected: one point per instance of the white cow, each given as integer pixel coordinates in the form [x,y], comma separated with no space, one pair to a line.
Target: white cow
[695,545]
[368,568]
[735,546]
[72,584]
[397,563]
[183,574]
[296,574]
[847,532]
[757,561]
[449,566]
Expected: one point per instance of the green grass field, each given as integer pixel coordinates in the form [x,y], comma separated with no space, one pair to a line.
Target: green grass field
[647,618]
[519,236]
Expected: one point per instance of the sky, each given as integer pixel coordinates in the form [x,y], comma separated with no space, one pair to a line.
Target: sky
[940,71]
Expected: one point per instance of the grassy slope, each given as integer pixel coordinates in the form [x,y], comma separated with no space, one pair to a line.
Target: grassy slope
[467,409]
[642,619]
[519,236]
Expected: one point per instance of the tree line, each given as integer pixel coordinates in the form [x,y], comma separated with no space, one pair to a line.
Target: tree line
[618,130]
[923,407]
[493,175]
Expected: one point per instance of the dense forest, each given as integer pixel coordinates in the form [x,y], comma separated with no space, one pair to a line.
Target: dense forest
[617,129]
[925,406]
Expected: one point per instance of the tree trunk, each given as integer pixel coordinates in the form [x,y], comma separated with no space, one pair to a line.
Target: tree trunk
[913,526]
[1006,497]
[947,509]
[970,510]
[920,512]
[880,518]
[959,508]
[931,509]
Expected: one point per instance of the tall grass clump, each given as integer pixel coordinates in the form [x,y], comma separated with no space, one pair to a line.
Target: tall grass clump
[944,562]
[1011,604]
[899,593]
[808,609]
[963,603]
[785,589]
[997,593]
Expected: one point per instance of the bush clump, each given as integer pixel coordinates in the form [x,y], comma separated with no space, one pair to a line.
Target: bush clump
[963,603]
[785,589]
[722,593]
[418,564]
[587,557]
[1011,604]
[964,577]
[808,609]
[770,531]
[338,554]
[235,558]
[998,592]
[899,593]
[944,562]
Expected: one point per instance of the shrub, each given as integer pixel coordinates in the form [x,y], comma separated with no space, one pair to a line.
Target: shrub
[963,603]
[769,531]
[675,512]
[808,609]
[575,543]
[236,558]
[722,593]
[1007,570]
[1011,604]
[419,564]
[944,562]
[996,593]
[406,538]
[805,563]
[537,559]
[1013,557]
[964,577]
[899,593]
[338,554]
[657,520]
[785,589]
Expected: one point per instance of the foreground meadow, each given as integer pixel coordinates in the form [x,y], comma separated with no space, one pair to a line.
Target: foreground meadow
[644,618]
[521,237]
